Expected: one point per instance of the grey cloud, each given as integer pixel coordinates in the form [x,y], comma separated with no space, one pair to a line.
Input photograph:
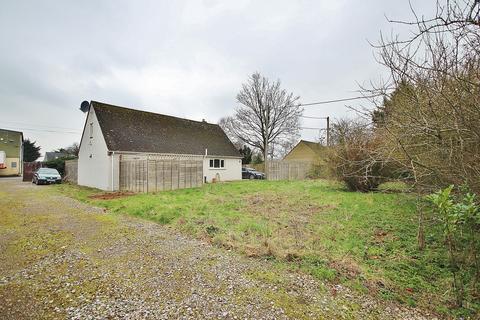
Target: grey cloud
[186,58]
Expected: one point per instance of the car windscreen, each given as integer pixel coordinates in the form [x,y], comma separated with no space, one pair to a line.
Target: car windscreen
[47,171]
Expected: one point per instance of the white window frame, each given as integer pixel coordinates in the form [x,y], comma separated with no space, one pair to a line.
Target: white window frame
[221,164]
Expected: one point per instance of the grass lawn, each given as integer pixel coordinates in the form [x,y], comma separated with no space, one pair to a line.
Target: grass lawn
[365,241]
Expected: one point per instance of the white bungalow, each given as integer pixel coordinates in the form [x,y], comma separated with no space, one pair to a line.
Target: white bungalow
[112,133]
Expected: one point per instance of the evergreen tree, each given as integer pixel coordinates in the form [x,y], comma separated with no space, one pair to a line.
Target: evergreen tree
[257,158]
[246,152]
[31,152]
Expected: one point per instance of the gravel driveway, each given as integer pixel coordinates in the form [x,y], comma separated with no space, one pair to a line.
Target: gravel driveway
[60,258]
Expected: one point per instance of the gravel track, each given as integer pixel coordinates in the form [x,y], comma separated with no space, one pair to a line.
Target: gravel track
[62,259]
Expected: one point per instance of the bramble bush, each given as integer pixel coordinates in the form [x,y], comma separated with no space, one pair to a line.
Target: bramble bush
[354,158]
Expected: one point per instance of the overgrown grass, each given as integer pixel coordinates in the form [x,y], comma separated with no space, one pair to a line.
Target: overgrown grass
[364,240]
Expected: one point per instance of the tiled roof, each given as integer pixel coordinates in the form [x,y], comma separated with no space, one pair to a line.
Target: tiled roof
[133,130]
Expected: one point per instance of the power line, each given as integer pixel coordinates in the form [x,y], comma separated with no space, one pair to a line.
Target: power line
[338,100]
[44,130]
[35,125]
[319,118]
[308,128]
[321,129]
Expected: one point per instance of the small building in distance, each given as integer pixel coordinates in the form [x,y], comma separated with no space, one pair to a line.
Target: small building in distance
[306,151]
[54,156]
[312,153]
[11,153]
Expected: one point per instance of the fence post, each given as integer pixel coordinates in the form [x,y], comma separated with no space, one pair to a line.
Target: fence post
[163,174]
[172,173]
[148,176]
[178,174]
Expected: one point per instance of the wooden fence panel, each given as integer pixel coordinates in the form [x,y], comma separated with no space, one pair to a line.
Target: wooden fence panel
[29,169]
[168,175]
[174,175]
[287,170]
[71,171]
[199,173]
[181,175]
[159,175]
[162,175]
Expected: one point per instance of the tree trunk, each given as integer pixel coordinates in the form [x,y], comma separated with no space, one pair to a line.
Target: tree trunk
[265,158]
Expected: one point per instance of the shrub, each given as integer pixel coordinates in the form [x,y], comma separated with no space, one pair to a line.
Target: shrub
[460,218]
[354,159]
[317,171]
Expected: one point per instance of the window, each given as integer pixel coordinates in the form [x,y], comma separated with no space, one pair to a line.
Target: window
[217,163]
[91,130]
[14,164]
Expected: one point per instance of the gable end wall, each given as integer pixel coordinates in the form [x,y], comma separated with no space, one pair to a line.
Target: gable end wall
[94,163]
[301,152]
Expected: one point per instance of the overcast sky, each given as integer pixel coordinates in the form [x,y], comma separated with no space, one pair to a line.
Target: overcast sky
[182,58]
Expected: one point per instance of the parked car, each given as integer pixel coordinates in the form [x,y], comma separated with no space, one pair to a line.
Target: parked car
[46,176]
[249,173]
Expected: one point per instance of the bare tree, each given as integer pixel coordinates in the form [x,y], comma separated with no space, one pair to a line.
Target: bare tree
[71,150]
[267,114]
[430,121]
[354,156]
[226,124]
[278,150]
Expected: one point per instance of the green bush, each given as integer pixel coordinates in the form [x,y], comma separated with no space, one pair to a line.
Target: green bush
[459,215]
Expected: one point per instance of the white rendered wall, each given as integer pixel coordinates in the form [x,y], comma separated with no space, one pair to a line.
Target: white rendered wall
[231,171]
[94,163]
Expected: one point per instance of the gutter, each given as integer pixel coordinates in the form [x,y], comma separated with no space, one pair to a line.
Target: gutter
[177,154]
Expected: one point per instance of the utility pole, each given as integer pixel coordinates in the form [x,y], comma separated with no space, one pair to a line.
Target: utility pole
[319,118]
[328,131]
